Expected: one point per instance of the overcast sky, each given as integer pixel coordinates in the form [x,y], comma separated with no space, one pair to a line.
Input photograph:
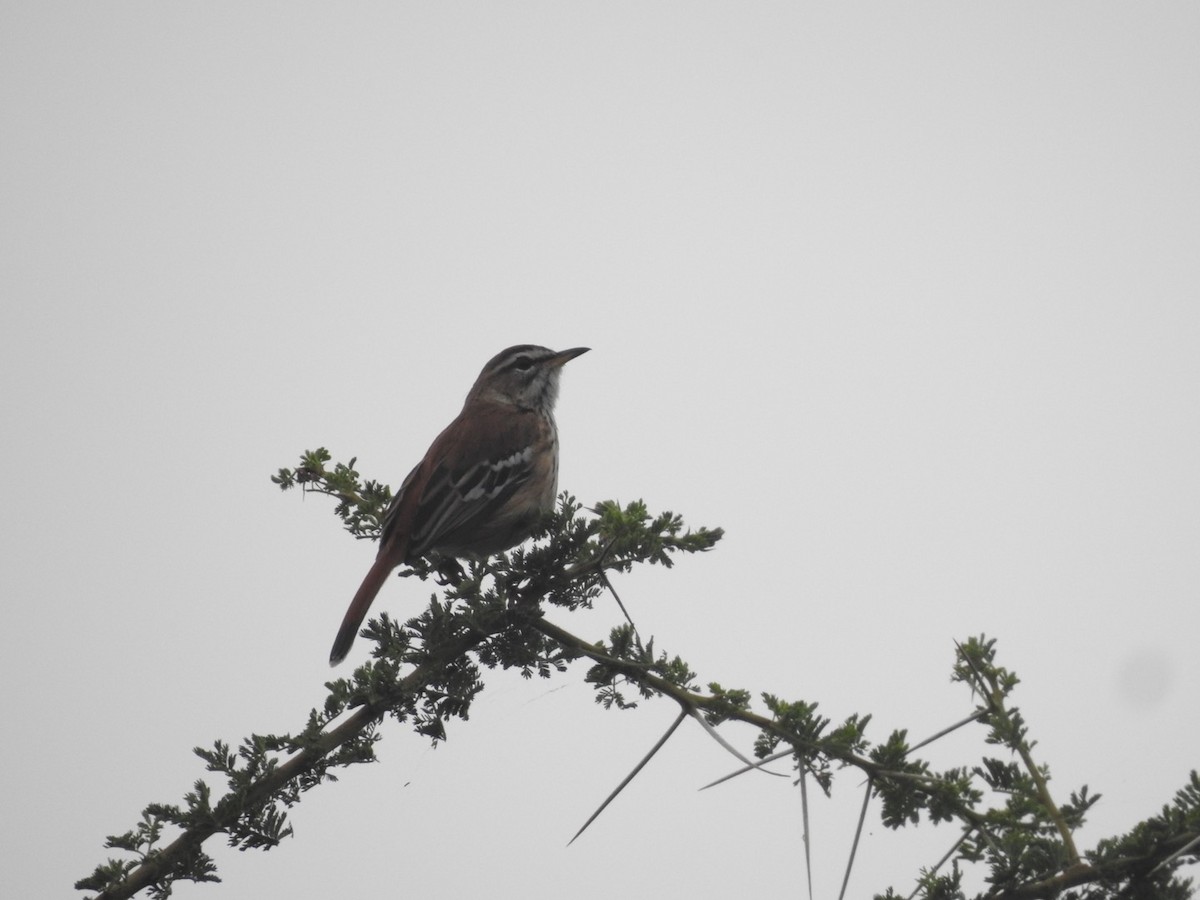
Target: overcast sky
[906,297]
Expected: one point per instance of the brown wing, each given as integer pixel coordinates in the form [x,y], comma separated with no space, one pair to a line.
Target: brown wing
[463,481]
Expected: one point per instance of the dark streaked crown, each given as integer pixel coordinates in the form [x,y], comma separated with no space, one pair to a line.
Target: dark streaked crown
[521,356]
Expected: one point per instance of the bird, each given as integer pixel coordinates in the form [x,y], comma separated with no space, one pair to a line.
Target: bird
[486,482]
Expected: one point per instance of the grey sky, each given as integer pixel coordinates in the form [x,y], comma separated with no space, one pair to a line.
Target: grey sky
[904,297]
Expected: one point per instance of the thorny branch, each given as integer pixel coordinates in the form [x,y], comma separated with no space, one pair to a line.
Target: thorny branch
[427,670]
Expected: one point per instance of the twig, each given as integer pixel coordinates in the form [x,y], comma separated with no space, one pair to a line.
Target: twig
[857,834]
[1021,746]
[941,862]
[975,716]
[612,590]
[719,738]
[628,778]
[807,833]
[1182,850]
[753,765]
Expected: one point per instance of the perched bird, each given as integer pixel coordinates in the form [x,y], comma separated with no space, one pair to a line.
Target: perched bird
[486,481]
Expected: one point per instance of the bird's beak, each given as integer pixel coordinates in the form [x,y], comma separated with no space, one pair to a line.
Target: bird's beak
[565,356]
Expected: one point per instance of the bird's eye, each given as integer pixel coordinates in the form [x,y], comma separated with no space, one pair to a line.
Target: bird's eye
[524,363]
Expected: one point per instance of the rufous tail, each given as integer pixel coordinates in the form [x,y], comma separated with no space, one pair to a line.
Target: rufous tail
[358,608]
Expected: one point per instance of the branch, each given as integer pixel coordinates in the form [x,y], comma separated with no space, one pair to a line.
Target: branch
[175,857]
[428,670]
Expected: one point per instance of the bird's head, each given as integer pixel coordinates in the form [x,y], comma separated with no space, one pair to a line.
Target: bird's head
[525,376]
